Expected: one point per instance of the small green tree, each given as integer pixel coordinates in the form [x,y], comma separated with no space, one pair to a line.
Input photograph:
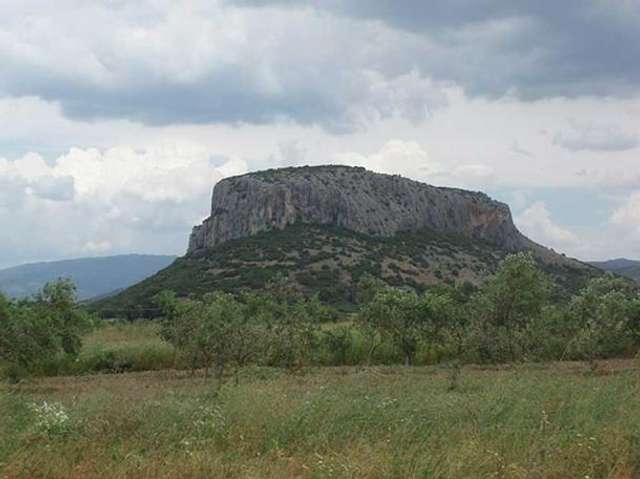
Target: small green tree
[395,314]
[58,301]
[505,306]
[37,329]
[604,317]
[441,318]
[177,326]
[25,338]
[216,320]
[549,333]
[368,287]
[338,342]
[216,332]
[517,292]
[170,306]
[292,332]
[453,309]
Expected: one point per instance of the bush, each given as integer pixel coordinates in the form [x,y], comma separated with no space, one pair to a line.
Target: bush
[504,309]
[394,314]
[604,316]
[338,342]
[49,325]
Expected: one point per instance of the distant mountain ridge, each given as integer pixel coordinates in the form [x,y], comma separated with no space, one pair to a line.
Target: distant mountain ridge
[622,266]
[94,277]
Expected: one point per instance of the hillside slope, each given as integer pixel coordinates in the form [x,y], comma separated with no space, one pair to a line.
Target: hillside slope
[621,266]
[94,277]
[325,227]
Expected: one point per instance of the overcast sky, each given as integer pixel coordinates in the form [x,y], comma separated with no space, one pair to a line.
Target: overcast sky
[118,117]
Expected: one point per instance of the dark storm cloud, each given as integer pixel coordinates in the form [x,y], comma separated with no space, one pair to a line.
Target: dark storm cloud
[227,96]
[294,62]
[536,49]
[207,64]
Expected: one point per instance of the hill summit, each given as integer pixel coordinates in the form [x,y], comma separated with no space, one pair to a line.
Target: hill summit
[354,199]
[325,227]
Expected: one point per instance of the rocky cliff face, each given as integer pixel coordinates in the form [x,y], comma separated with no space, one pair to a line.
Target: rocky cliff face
[352,198]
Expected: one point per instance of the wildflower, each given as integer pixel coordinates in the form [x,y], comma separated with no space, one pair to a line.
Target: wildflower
[51,418]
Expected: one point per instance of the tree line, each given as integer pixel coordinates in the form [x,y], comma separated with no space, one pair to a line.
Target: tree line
[511,317]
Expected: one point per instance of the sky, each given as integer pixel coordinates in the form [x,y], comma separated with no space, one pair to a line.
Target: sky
[117,118]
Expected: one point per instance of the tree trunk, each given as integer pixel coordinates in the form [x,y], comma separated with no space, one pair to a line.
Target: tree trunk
[372,349]
[408,359]
[219,376]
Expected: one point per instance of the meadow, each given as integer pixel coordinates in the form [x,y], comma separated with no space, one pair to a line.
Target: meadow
[552,420]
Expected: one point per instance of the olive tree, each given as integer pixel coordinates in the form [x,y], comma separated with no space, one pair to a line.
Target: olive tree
[291,324]
[368,287]
[215,332]
[442,318]
[505,307]
[605,316]
[42,327]
[395,314]
[58,301]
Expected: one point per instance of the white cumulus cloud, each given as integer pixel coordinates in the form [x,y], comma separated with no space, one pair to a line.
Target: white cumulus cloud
[536,223]
[627,216]
[91,201]
[413,160]
[406,158]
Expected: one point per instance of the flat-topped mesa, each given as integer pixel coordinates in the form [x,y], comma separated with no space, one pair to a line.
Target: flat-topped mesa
[351,198]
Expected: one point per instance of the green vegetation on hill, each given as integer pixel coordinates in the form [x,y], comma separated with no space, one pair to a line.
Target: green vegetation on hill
[327,261]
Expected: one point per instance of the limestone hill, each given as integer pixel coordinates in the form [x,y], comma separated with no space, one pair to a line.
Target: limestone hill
[325,227]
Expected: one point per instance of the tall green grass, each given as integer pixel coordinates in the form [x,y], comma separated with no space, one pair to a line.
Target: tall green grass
[116,348]
[554,421]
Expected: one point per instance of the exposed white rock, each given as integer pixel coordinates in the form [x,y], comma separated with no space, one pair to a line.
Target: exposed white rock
[352,198]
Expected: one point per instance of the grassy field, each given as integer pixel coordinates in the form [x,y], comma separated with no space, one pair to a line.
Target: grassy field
[532,421]
[120,347]
[136,346]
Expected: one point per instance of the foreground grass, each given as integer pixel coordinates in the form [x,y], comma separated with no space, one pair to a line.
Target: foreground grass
[556,421]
